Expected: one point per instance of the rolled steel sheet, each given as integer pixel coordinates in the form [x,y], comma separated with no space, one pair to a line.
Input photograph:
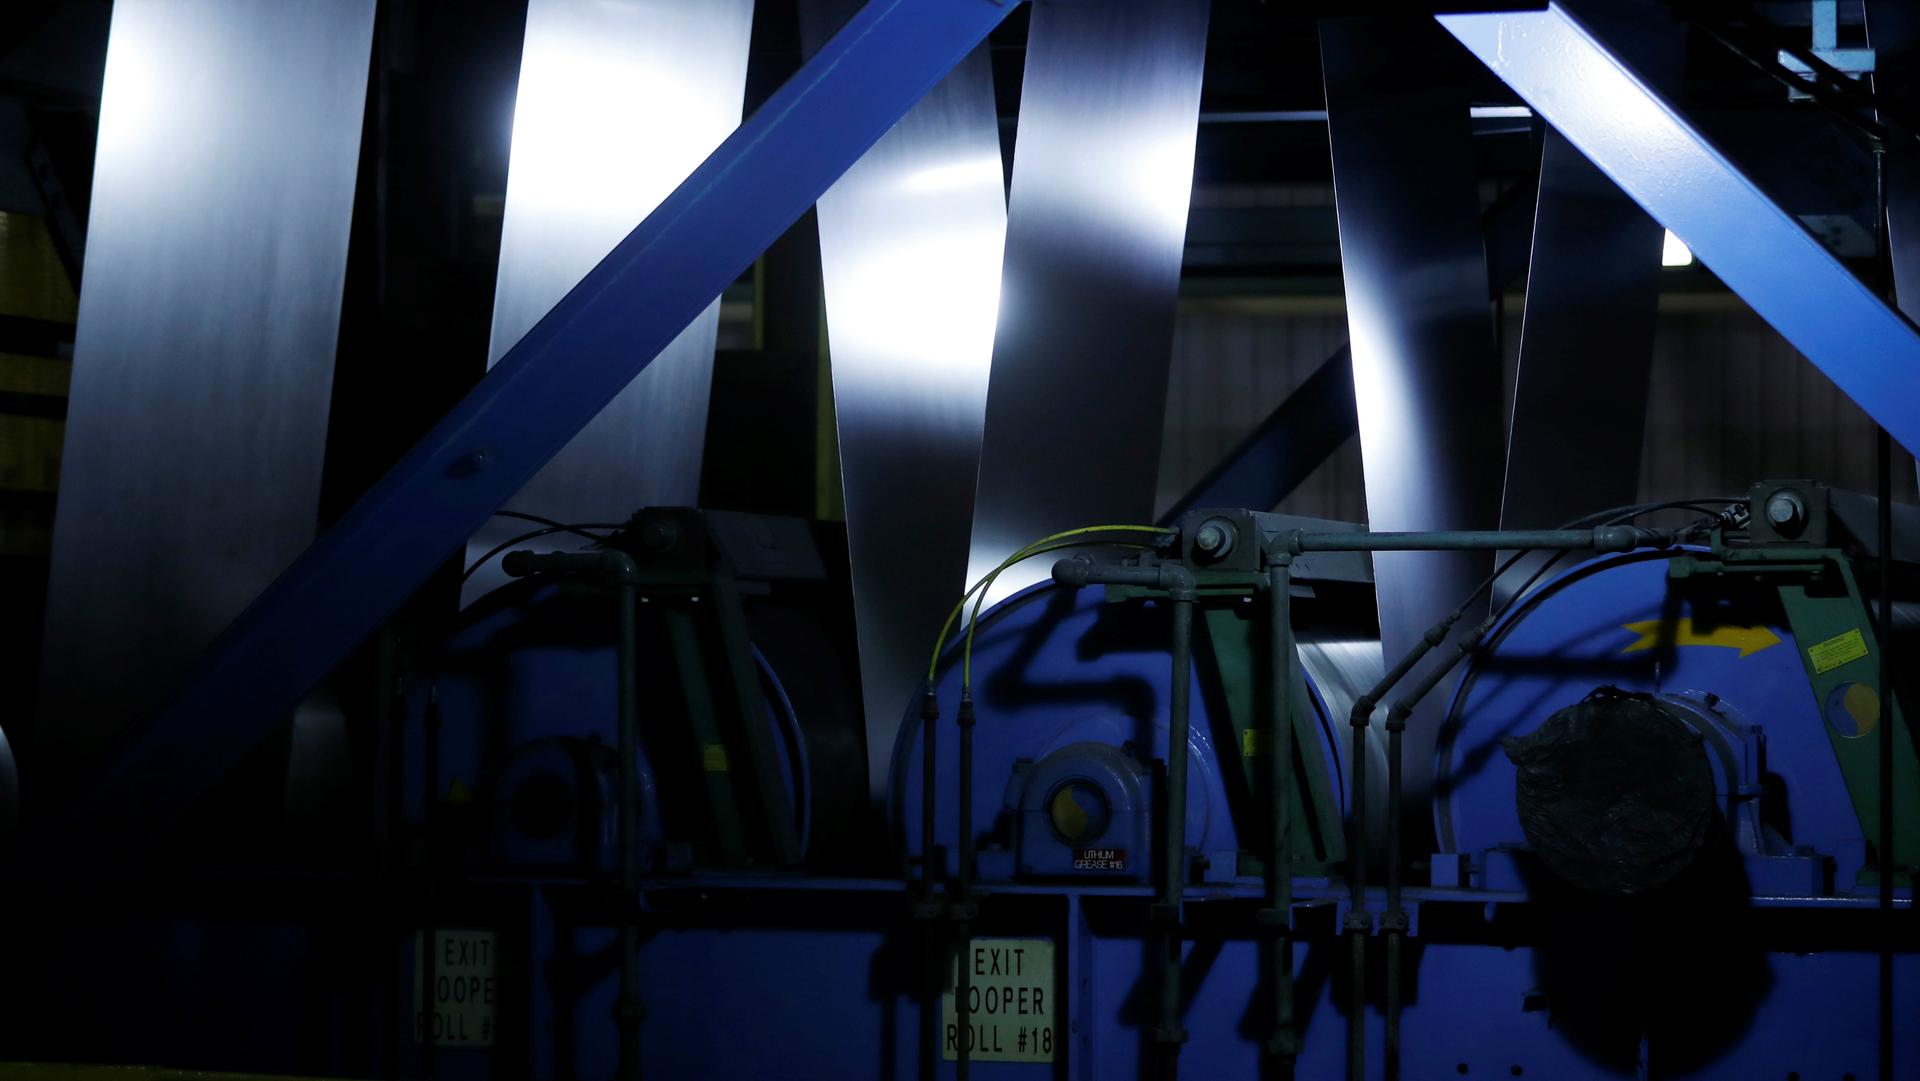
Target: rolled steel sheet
[910,246]
[618,101]
[216,254]
[1586,352]
[1096,220]
[1426,377]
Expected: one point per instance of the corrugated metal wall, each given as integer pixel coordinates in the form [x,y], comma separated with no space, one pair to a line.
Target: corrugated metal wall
[1731,401]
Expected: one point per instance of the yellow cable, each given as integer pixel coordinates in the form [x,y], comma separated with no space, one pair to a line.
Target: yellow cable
[1032,549]
[984,586]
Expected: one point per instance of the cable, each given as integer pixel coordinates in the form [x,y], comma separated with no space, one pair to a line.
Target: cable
[980,598]
[1033,549]
[556,524]
[579,528]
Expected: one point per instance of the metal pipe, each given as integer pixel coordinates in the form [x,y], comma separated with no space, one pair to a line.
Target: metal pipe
[1169,1035]
[628,1011]
[429,819]
[1884,631]
[934,976]
[1280,778]
[616,569]
[1609,538]
[1358,923]
[1395,921]
[929,731]
[963,888]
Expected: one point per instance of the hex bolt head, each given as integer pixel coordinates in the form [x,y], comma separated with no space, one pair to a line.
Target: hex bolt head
[1786,512]
[1214,539]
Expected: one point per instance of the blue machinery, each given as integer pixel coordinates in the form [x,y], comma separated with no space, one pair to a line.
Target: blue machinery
[1140,838]
[1656,839]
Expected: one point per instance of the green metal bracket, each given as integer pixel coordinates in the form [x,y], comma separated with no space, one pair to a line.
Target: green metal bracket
[713,764]
[1317,835]
[1834,636]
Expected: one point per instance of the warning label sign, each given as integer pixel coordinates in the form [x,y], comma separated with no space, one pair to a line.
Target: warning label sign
[1099,859]
[1010,1002]
[1838,650]
[461,967]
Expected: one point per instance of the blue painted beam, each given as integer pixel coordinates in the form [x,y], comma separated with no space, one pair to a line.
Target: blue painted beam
[1577,72]
[1302,432]
[560,375]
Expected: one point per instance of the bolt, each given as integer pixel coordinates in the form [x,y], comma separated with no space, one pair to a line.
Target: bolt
[659,536]
[1214,539]
[1786,512]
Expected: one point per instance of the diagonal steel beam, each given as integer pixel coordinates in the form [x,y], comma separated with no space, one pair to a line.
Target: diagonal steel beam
[529,405]
[1302,431]
[1570,71]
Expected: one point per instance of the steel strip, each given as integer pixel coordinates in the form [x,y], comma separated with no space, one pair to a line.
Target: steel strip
[910,246]
[1426,378]
[1606,105]
[216,258]
[617,103]
[1096,220]
[560,375]
[1312,422]
[1586,352]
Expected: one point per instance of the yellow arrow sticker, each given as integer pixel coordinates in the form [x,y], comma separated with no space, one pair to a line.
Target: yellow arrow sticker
[1652,632]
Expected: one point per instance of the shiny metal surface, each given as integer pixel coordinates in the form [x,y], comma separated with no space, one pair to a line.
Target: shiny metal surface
[216,252]
[549,386]
[1097,212]
[910,245]
[1586,352]
[1426,377]
[9,789]
[618,101]
[1343,669]
[1617,115]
